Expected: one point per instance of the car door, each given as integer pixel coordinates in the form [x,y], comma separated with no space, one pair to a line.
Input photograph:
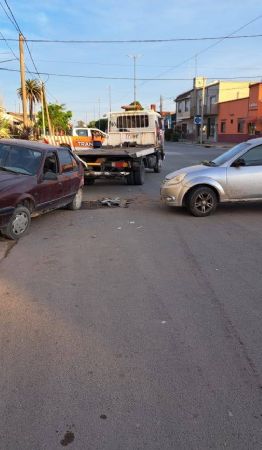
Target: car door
[244,176]
[69,173]
[49,192]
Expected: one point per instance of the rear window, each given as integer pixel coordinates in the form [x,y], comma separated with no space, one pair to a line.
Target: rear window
[135,121]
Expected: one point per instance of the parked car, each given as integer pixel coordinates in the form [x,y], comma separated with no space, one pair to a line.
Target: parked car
[35,177]
[235,176]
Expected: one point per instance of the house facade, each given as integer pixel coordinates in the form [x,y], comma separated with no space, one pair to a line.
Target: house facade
[241,119]
[184,114]
[189,105]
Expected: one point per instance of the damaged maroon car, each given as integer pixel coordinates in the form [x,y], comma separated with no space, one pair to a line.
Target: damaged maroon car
[35,177]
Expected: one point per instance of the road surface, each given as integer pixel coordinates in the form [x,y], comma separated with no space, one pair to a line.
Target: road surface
[134,328]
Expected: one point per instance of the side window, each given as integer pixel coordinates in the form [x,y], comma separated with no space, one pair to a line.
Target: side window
[83,133]
[50,164]
[67,162]
[253,157]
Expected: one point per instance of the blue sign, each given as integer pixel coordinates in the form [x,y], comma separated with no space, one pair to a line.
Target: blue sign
[197,120]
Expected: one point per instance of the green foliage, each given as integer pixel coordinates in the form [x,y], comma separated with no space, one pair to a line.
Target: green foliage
[59,117]
[101,124]
[92,124]
[4,127]
[33,94]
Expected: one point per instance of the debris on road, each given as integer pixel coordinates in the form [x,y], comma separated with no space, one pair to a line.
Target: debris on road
[107,203]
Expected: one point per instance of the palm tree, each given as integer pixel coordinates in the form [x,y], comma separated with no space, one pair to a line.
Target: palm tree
[33,94]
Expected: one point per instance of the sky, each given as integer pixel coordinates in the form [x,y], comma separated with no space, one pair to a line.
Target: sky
[128,20]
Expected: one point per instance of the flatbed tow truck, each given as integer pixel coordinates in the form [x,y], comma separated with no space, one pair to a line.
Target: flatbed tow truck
[134,142]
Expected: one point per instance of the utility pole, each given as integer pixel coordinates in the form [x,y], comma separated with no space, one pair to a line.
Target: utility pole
[161,105]
[22,75]
[99,113]
[202,110]
[47,112]
[43,107]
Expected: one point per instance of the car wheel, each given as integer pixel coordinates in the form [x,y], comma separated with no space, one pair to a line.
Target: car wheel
[202,201]
[77,201]
[139,176]
[18,224]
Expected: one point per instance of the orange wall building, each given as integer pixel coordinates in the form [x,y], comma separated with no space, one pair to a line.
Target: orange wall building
[239,120]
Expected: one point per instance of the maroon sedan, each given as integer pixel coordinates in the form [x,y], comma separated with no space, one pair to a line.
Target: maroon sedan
[35,178]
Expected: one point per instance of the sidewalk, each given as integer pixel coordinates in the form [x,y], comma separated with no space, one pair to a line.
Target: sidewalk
[222,145]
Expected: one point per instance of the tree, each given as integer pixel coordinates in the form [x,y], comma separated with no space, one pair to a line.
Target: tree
[59,117]
[33,94]
[92,124]
[101,124]
[80,124]
[4,127]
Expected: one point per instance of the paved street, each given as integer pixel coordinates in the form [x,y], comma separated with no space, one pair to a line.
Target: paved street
[134,328]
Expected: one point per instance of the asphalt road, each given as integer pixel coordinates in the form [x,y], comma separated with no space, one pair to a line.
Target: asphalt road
[134,328]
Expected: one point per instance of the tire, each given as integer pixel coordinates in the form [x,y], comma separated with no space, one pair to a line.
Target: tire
[202,201]
[139,176]
[19,223]
[158,166]
[77,201]
[130,179]
[89,181]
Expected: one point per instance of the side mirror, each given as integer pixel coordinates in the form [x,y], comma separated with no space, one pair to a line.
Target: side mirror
[238,163]
[50,176]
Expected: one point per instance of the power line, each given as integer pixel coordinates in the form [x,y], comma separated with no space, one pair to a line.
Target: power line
[7,60]
[97,77]
[139,41]
[221,39]
[17,27]
[6,13]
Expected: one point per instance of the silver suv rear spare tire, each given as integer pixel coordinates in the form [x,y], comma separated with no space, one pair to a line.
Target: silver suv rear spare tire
[19,223]
[76,203]
[202,201]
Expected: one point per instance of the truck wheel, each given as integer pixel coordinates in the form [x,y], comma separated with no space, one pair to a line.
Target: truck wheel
[139,176]
[158,166]
[77,201]
[18,224]
[89,181]
[130,179]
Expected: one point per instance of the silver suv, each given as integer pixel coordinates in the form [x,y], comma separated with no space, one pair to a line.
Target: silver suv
[234,176]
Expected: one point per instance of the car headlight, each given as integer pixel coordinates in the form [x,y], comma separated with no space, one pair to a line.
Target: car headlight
[175,180]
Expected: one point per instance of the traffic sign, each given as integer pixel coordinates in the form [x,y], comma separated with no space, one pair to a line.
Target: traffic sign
[197,120]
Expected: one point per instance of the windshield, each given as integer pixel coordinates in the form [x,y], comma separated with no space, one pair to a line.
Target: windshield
[14,158]
[230,153]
